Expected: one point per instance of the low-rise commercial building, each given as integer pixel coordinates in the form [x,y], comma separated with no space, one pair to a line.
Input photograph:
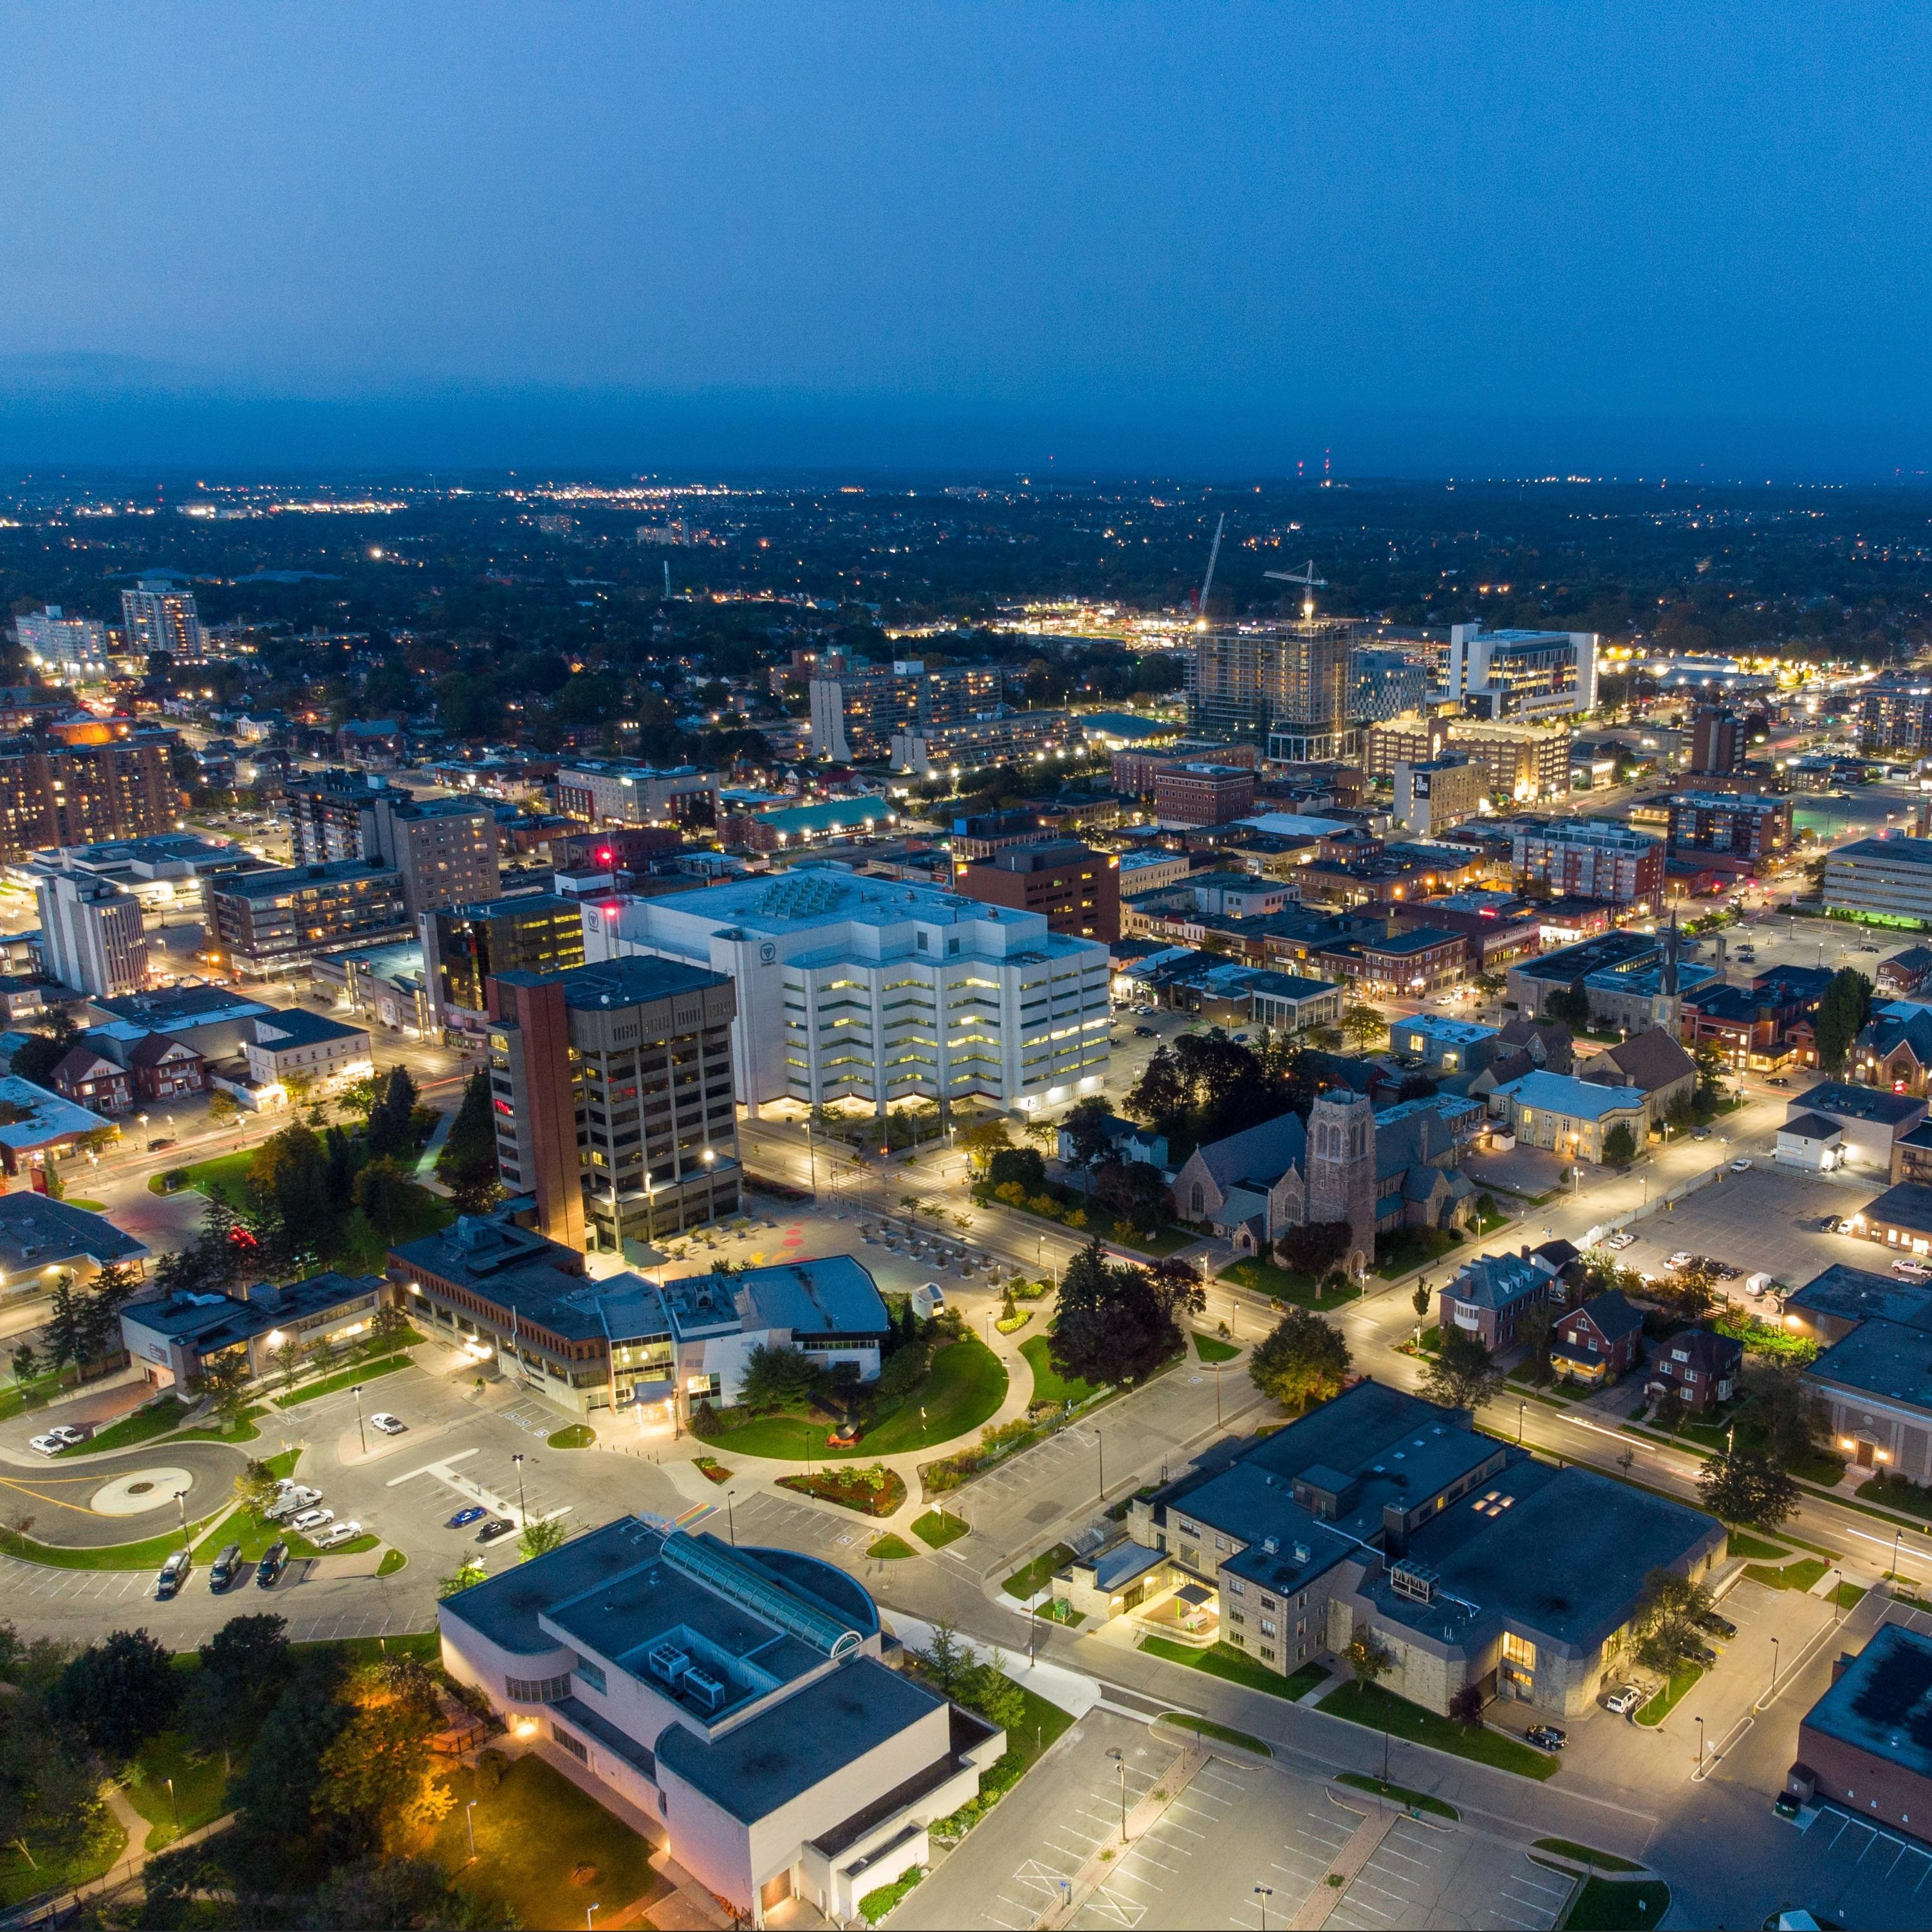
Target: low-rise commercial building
[506,1292]
[1873,1122]
[1450,1046]
[1202,794]
[1572,1118]
[175,1337]
[1404,965]
[1888,879]
[736,1695]
[42,1239]
[294,1044]
[1864,1745]
[1381,1516]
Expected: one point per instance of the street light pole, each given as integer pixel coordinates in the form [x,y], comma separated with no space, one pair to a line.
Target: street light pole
[181,1503]
[730,1519]
[1774,1666]
[522,1507]
[1100,1450]
[1264,1893]
[362,1435]
[1120,1765]
[469,1820]
[1700,1747]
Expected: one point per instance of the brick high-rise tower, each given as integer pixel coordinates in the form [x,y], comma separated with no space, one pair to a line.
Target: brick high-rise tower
[1341,1170]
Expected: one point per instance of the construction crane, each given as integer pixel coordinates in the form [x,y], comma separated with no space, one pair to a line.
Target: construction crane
[1307,579]
[1208,582]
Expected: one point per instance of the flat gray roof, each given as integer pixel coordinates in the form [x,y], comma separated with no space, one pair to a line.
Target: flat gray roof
[37,1233]
[1856,1294]
[1882,1703]
[1887,1359]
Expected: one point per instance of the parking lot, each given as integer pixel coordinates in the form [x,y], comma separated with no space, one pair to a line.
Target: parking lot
[1854,1873]
[1236,1826]
[1770,1219]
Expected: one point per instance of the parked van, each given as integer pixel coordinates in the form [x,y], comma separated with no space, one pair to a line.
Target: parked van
[929,1299]
[1759,1284]
[174,1574]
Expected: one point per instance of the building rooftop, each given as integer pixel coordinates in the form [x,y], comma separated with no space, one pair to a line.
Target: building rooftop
[1882,1701]
[1891,1359]
[296,1026]
[1442,1029]
[1813,1127]
[1417,939]
[635,981]
[1576,1099]
[1856,1295]
[1125,725]
[293,878]
[1607,950]
[172,1009]
[36,1233]
[1495,1281]
[209,1322]
[1858,1103]
[1899,851]
[43,1117]
[834,814]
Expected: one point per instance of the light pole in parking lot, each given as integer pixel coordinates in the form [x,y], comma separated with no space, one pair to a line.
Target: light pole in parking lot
[1120,1765]
[1263,1893]
[362,1435]
[1700,1747]
[730,1521]
[181,1503]
[522,1510]
[1773,1667]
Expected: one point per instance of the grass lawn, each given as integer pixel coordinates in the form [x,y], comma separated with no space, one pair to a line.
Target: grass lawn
[965,1384]
[889,1548]
[1898,1492]
[255,1535]
[55,1870]
[1586,1855]
[150,1554]
[244,1432]
[1225,1661]
[1265,1278]
[1203,1727]
[1037,1574]
[1304,1679]
[199,1783]
[343,1378]
[1672,1694]
[1743,1543]
[1211,1350]
[1420,1801]
[393,1560]
[92,1207]
[1377,1709]
[1048,1385]
[143,1425]
[532,1832]
[1847,1596]
[1798,1576]
[226,1175]
[577,1435]
[939,1527]
[1618,1904]
[1819,1466]
[1395,1254]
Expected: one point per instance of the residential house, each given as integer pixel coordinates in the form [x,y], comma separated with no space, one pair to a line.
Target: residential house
[1126,1143]
[1573,1118]
[1811,1141]
[1493,1296]
[1699,1367]
[93,1080]
[1599,1342]
[166,1069]
[1905,973]
[1652,1062]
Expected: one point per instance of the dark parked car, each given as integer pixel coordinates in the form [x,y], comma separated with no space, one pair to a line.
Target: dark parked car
[497,1526]
[226,1567]
[1145,1032]
[1717,1625]
[1701,1653]
[267,1572]
[1548,1737]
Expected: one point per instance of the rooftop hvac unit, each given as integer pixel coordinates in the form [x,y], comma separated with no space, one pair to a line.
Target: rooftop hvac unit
[670,1663]
[1272,1545]
[1413,1581]
[1301,1552]
[704,1690]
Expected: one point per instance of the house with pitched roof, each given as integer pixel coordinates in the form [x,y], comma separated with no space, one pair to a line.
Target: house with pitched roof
[1894,1051]
[1904,972]
[1599,1342]
[1700,1368]
[1491,1297]
[91,1079]
[1652,1062]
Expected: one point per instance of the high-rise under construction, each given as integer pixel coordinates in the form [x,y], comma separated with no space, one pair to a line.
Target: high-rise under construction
[1285,686]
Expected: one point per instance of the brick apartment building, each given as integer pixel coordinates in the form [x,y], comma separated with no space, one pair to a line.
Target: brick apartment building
[1594,859]
[1078,888]
[1731,830]
[1203,794]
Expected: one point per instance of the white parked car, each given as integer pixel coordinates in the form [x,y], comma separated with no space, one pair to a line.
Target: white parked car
[337,1533]
[46,1445]
[1740,1166]
[1682,1258]
[1620,1703]
[1912,1271]
[388,1424]
[291,1501]
[311,1519]
[1622,1239]
[66,1434]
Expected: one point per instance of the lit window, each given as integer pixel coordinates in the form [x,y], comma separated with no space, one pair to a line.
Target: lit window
[1519,1651]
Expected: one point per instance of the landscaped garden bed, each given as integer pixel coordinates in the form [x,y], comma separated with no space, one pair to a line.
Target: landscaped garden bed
[939,1527]
[873,1491]
[712,1470]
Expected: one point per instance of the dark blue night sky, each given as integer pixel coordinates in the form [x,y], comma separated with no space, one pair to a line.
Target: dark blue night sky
[1479,238]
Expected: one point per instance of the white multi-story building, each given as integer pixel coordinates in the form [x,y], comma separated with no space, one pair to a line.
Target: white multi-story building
[73,649]
[90,934]
[158,617]
[877,990]
[1523,673]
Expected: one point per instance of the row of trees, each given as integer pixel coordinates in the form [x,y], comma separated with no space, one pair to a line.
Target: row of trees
[83,1325]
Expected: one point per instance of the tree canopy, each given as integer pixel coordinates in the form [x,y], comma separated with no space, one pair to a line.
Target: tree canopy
[1303,1359]
[1118,1321]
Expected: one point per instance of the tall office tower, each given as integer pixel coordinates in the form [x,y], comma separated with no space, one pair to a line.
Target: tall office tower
[1522,673]
[73,649]
[160,618]
[1286,686]
[613,1085]
[87,794]
[1718,742]
[90,934]
[464,946]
